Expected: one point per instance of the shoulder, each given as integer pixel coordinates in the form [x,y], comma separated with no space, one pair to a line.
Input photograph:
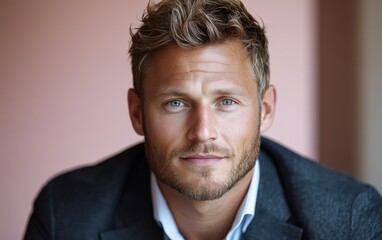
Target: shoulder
[295,169]
[111,171]
[80,202]
[319,196]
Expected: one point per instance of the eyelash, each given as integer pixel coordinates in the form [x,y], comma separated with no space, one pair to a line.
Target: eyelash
[224,103]
[168,107]
[232,102]
[173,101]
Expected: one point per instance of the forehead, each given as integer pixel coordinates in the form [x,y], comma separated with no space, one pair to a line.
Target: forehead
[227,52]
[225,63]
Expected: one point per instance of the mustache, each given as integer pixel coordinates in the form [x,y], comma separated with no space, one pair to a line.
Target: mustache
[202,149]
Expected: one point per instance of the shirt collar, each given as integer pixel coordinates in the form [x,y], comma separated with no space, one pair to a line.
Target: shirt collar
[246,212]
[162,212]
[244,215]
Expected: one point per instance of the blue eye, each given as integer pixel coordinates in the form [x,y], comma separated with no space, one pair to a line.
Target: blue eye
[227,102]
[175,103]
[174,106]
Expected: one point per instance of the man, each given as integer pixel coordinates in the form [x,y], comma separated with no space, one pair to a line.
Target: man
[201,98]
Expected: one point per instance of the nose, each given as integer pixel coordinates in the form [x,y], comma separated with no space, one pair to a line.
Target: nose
[202,125]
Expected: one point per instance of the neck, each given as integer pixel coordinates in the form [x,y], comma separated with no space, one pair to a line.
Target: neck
[206,219]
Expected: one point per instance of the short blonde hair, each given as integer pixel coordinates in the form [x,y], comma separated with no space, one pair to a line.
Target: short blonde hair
[195,23]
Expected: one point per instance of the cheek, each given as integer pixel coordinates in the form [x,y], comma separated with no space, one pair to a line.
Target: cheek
[163,130]
[241,128]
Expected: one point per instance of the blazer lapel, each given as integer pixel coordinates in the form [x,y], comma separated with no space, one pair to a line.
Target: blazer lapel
[267,227]
[140,231]
[135,215]
[272,217]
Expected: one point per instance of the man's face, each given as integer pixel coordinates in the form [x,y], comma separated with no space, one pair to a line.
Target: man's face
[200,118]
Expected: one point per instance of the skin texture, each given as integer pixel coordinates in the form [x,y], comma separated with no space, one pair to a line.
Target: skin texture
[201,119]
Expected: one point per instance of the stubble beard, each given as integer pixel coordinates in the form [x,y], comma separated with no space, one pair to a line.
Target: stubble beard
[205,188]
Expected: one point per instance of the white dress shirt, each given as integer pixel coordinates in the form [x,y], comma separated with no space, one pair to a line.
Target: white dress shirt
[244,215]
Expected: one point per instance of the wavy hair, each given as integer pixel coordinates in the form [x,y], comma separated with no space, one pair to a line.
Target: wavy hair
[195,23]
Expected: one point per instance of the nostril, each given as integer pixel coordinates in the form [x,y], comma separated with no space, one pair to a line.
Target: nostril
[202,131]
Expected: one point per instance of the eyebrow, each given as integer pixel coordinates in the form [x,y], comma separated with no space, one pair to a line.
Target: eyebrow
[230,91]
[218,92]
[171,92]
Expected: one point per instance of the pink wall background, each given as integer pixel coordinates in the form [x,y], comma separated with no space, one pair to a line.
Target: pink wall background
[64,74]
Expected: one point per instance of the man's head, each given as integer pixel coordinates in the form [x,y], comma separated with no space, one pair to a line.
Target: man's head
[197,23]
[201,94]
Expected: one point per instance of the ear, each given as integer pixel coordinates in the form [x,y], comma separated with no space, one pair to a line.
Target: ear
[268,107]
[135,110]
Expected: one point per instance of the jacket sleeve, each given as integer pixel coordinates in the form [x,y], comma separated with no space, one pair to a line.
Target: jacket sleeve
[41,225]
[366,220]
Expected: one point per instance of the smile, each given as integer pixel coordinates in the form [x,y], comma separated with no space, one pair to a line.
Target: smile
[202,159]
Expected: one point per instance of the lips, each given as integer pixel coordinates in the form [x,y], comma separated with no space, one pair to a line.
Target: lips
[202,159]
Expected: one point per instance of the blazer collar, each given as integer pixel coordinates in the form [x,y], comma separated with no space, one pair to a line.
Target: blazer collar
[142,230]
[135,215]
[273,218]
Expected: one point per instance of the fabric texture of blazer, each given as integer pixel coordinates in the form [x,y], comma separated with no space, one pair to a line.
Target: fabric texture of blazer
[297,199]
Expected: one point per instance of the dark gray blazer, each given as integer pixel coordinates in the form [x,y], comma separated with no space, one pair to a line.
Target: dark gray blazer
[297,199]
